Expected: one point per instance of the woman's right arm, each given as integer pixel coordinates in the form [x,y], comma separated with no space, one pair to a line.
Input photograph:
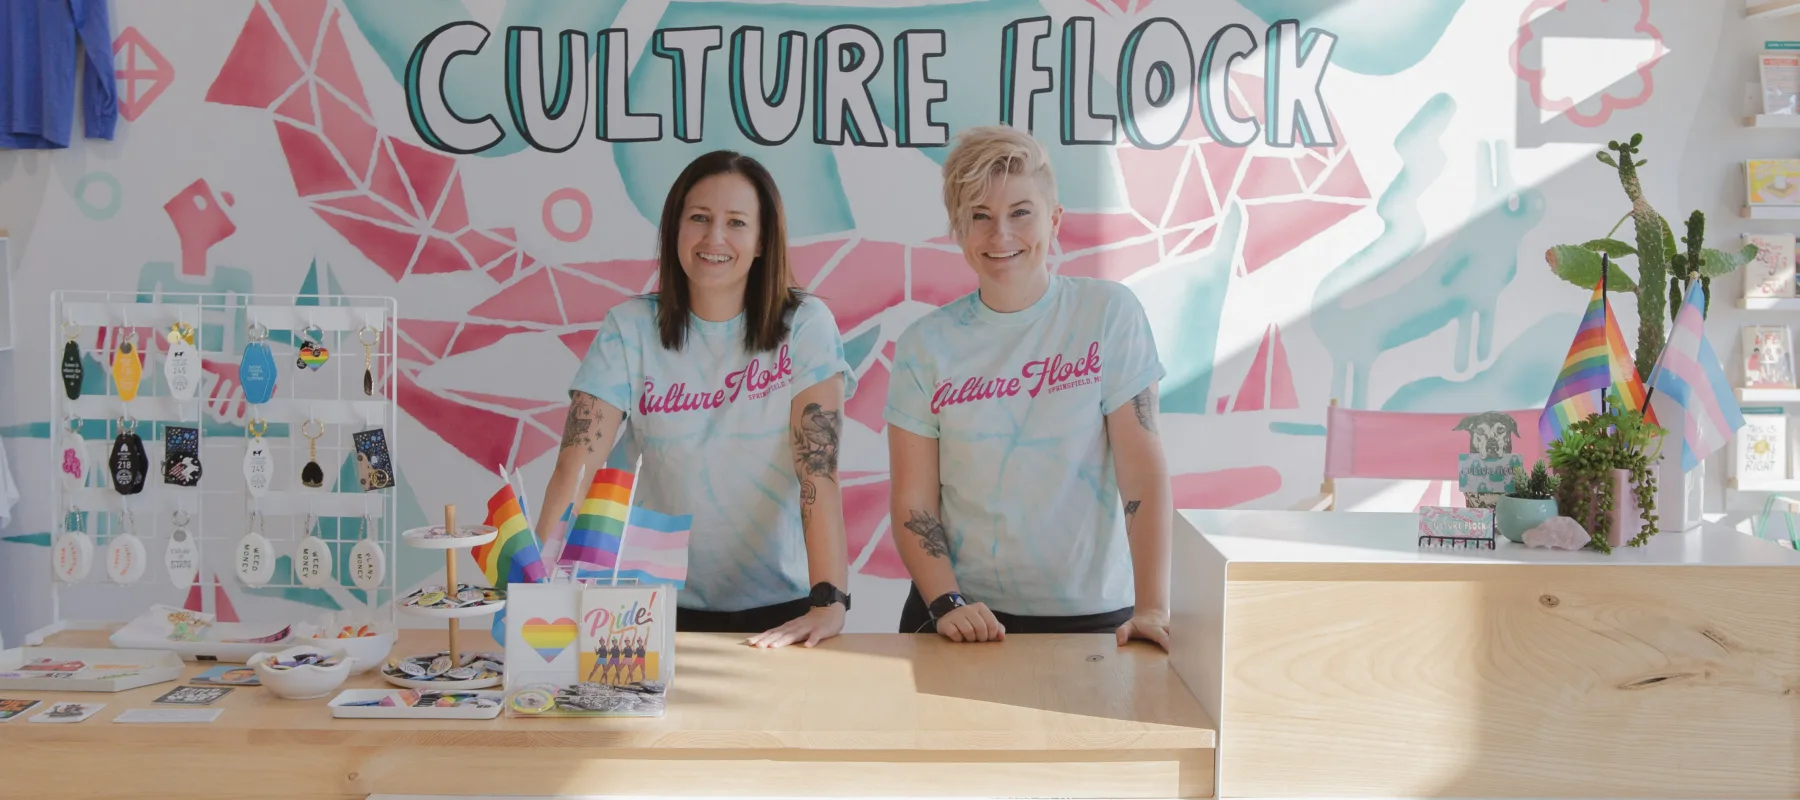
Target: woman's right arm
[913,478]
[589,433]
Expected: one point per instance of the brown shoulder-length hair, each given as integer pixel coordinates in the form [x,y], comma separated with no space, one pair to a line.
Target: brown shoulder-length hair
[770,296]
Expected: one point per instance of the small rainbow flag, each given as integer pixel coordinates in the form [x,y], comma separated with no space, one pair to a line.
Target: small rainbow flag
[513,555]
[600,521]
[1598,363]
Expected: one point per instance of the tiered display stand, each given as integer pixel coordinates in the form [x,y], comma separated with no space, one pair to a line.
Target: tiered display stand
[458,540]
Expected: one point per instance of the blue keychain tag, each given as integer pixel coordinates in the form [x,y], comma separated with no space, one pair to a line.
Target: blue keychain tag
[257,371]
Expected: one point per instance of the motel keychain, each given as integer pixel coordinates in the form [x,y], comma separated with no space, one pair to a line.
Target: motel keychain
[181,365]
[125,556]
[312,349]
[368,343]
[259,466]
[312,562]
[311,474]
[128,366]
[256,373]
[255,556]
[368,565]
[182,556]
[72,555]
[73,461]
[128,465]
[72,369]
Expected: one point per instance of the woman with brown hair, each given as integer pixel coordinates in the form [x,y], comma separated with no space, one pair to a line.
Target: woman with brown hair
[734,381]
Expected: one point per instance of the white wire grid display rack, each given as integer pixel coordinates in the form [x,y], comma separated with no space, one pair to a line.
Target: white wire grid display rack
[218,510]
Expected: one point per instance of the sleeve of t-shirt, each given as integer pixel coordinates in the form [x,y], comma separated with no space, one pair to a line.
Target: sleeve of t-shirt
[1129,363]
[99,97]
[605,371]
[816,348]
[909,391]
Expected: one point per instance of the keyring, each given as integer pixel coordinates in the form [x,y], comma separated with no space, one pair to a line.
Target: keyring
[67,324]
[74,424]
[253,430]
[180,518]
[181,331]
[258,331]
[127,424]
[310,436]
[362,335]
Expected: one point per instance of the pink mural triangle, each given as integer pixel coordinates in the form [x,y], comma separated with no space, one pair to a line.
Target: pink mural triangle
[634,274]
[1344,181]
[354,136]
[475,336]
[1281,379]
[1250,392]
[299,107]
[391,250]
[310,162]
[196,599]
[1193,201]
[579,342]
[427,172]
[302,19]
[363,205]
[223,611]
[440,256]
[1310,169]
[1150,178]
[586,300]
[1276,228]
[453,217]
[258,70]
[387,182]
[530,299]
[336,69]
[1270,176]
[486,249]
[432,336]
[1221,165]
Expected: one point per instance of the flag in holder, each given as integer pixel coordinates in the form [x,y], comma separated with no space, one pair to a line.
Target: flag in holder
[628,543]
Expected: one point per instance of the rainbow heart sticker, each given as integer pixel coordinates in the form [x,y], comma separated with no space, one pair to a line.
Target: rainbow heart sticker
[549,639]
[312,356]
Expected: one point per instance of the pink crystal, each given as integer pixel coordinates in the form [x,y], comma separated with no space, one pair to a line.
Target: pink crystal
[1561,533]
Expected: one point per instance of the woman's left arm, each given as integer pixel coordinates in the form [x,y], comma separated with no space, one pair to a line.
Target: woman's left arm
[816,424]
[1143,477]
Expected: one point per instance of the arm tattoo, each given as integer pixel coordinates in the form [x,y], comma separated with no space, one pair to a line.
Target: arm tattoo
[816,441]
[931,534]
[1131,508]
[578,428]
[1145,406]
[809,494]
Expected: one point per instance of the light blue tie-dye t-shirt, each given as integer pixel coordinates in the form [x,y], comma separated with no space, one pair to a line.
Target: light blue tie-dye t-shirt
[1017,403]
[712,424]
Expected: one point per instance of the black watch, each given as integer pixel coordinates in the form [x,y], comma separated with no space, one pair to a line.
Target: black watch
[946,603]
[824,594]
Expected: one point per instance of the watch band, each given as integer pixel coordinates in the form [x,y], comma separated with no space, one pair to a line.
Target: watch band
[824,594]
[946,603]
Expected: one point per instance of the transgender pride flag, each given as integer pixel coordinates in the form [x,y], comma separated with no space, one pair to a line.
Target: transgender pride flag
[653,550]
[1689,373]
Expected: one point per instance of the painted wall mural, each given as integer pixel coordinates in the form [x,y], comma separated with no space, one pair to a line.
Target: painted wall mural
[1315,201]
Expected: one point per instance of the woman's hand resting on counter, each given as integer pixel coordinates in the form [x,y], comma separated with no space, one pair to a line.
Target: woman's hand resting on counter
[971,623]
[1151,625]
[811,628]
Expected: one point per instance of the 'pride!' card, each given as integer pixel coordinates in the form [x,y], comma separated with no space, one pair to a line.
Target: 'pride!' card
[578,650]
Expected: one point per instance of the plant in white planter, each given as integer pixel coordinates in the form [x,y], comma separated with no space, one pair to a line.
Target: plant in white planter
[1531,502]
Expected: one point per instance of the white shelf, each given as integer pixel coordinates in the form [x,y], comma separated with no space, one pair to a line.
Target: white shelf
[1769,303]
[1768,395]
[1770,212]
[1769,9]
[1788,485]
[1773,121]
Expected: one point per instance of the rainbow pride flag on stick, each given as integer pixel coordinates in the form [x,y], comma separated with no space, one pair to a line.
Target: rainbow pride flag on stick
[513,555]
[607,522]
[599,527]
[1598,363]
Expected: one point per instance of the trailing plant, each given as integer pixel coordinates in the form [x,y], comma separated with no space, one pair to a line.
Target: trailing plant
[1539,484]
[1584,459]
[1660,261]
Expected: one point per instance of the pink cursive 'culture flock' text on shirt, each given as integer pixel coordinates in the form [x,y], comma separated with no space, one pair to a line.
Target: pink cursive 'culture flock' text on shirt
[1052,374]
[756,379]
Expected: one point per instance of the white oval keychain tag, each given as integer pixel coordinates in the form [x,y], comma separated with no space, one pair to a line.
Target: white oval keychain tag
[181,365]
[72,461]
[182,556]
[72,554]
[368,566]
[259,466]
[255,556]
[312,562]
[125,558]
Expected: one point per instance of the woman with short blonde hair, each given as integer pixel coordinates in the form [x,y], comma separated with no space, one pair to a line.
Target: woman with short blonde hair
[1022,428]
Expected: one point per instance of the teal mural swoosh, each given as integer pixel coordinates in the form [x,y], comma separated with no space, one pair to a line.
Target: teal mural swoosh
[1519,378]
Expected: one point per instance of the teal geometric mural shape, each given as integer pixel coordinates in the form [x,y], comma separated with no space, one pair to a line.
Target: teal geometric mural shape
[858,349]
[1374,37]
[1296,429]
[1519,378]
[1184,302]
[40,539]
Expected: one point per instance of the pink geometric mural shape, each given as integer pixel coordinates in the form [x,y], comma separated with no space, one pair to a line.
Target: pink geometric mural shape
[1201,241]
[335,69]
[1310,168]
[200,222]
[630,273]
[302,19]
[362,205]
[391,250]
[870,400]
[453,216]
[1281,378]
[475,336]
[298,107]
[1193,202]
[310,162]
[1222,164]
[940,277]
[1276,228]
[579,342]
[1268,385]
[507,267]
[352,135]
[1270,177]
[865,509]
[390,186]
[870,279]
[516,403]
[427,171]
[440,256]
[1087,231]
[1150,177]
[807,260]
[1345,180]
[486,249]
[1533,77]
[1112,265]
[259,69]
[432,336]
[887,349]
[141,74]
[587,301]
[483,436]
[530,299]
[1224,488]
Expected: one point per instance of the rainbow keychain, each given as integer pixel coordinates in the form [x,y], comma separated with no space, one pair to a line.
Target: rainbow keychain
[128,366]
[181,364]
[313,354]
[256,373]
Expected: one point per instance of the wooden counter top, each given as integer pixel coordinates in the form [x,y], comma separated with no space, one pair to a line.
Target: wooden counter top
[856,701]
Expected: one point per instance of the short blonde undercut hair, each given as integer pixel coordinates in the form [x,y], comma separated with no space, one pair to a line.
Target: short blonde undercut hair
[979,154]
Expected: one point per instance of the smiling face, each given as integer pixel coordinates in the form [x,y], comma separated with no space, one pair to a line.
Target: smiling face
[718,242]
[1008,230]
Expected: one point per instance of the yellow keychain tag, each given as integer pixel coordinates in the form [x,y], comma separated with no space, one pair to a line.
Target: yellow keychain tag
[127,367]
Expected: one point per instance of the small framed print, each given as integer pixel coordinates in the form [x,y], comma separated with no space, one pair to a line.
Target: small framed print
[1768,360]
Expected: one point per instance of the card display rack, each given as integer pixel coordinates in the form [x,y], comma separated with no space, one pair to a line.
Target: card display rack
[326,399]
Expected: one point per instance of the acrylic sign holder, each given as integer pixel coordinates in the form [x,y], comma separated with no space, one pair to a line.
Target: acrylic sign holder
[327,399]
[452,540]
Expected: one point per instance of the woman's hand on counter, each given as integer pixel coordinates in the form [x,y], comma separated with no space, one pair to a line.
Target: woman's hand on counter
[1151,625]
[813,627]
[971,623]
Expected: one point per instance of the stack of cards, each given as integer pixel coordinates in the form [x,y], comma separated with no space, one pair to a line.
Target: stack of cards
[14,708]
[68,712]
[192,695]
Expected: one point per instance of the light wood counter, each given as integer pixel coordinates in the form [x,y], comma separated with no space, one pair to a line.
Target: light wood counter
[1341,659]
[1071,716]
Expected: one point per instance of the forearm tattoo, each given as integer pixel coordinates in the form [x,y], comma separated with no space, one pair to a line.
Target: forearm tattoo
[816,441]
[1131,508]
[1145,406]
[932,536]
[809,494]
[581,426]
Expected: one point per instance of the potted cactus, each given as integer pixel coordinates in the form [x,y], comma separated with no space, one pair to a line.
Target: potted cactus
[1531,502]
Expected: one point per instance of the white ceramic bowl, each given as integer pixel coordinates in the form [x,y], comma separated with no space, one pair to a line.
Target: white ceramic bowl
[366,652]
[300,683]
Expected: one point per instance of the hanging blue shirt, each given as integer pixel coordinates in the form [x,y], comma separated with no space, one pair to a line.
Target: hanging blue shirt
[38,58]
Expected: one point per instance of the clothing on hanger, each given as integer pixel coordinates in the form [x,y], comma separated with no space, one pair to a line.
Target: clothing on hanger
[41,44]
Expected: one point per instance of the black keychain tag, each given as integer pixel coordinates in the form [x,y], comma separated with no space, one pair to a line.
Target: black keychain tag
[72,370]
[373,467]
[127,463]
[181,455]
